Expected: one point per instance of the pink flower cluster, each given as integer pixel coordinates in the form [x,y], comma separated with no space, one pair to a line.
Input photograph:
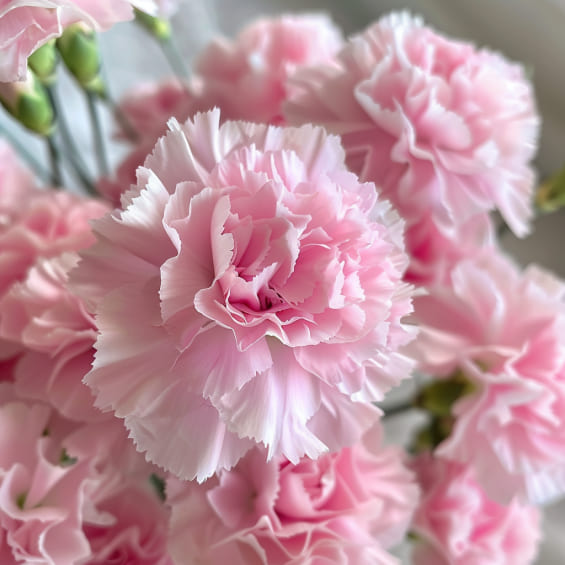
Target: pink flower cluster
[240,299]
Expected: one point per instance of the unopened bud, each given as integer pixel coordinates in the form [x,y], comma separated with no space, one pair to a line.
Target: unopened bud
[79,50]
[43,62]
[28,102]
[157,27]
[439,396]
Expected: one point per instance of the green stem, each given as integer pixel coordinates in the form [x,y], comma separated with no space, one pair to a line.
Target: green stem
[174,58]
[55,159]
[98,136]
[75,160]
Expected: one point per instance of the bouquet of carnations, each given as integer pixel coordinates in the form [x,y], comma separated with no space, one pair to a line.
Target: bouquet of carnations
[195,352]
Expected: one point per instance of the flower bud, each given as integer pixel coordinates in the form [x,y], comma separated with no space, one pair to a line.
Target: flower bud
[43,62]
[157,27]
[28,102]
[79,50]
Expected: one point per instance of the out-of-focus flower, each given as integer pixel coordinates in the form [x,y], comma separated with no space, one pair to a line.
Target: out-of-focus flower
[50,223]
[29,24]
[246,78]
[56,336]
[346,507]
[503,330]
[457,524]
[445,131]
[249,292]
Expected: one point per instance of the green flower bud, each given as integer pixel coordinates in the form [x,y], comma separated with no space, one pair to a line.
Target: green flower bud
[550,195]
[79,50]
[43,62]
[28,102]
[157,27]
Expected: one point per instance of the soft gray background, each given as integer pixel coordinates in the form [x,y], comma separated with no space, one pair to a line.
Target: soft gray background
[531,31]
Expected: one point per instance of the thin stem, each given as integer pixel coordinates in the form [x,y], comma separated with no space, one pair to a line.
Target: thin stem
[99,146]
[26,155]
[55,159]
[174,58]
[77,164]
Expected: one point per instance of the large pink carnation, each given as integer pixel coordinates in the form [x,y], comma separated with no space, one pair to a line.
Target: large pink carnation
[246,78]
[446,131]
[457,524]
[345,508]
[505,331]
[29,24]
[250,292]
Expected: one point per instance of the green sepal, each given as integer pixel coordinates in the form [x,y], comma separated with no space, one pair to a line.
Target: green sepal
[79,50]
[43,62]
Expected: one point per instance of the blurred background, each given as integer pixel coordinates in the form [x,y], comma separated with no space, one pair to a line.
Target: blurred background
[529,31]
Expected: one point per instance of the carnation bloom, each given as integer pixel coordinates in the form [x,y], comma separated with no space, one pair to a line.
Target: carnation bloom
[503,330]
[29,24]
[246,78]
[457,524]
[51,223]
[57,337]
[345,508]
[445,131]
[250,292]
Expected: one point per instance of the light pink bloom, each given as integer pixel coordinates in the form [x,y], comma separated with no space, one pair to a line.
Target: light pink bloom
[246,78]
[49,224]
[344,508]
[250,292]
[29,24]
[505,331]
[57,336]
[456,524]
[445,131]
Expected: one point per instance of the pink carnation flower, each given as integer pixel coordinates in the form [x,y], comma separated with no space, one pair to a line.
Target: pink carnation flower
[505,331]
[456,524]
[344,508]
[29,24]
[246,78]
[445,131]
[250,292]
[57,336]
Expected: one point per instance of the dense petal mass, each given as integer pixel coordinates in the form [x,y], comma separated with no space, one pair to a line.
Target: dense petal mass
[244,256]
[445,130]
[346,508]
[457,524]
[502,330]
